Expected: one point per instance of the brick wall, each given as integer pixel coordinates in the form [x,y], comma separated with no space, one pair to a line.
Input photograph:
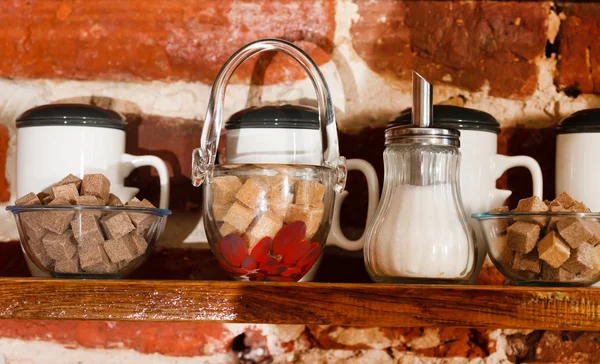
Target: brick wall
[528,63]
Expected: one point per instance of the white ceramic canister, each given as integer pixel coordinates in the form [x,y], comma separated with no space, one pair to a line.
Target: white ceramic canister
[577,146]
[289,134]
[480,165]
[58,139]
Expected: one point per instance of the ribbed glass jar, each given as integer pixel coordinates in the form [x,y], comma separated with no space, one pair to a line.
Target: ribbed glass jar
[420,232]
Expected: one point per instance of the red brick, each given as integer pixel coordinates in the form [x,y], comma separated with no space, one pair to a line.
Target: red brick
[4,187]
[579,48]
[174,339]
[161,40]
[472,42]
[568,347]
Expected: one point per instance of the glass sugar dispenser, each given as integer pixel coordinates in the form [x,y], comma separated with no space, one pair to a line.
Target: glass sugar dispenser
[420,232]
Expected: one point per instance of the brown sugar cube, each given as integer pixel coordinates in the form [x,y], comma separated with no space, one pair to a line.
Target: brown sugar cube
[37,247]
[219,211]
[141,221]
[528,262]
[554,206]
[499,226]
[67,192]
[96,185]
[310,215]
[309,193]
[556,274]
[553,250]
[500,251]
[253,193]
[522,236]
[117,225]
[565,200]
[240,216]
[68,265]
[224,189]
[28,199]
[227,229]
[70,179]
[42,195]
[141,244]
[93,259]
[532,204]
[281,208]
[581,260]
[86,230]
[60,246]
[114,200]
[31,217]
[32,225]
[90,201]
[279,189]
[579,207]
[121,249]
[268,224]
[576,231]
[57,221]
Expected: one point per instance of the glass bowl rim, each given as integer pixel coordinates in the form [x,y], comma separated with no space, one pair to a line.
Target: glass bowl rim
[504,215]
[17,209]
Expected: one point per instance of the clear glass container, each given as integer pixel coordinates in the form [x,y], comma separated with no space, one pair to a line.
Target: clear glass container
[268,218]
[420,232]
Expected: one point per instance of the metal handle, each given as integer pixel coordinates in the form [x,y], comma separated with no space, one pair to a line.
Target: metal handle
[203,158]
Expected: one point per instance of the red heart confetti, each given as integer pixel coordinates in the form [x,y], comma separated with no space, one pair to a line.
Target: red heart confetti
[261,250]
[249,263]
[291,272]
[311,256]
[256,276]
[270,263]
[288,236]
[233,249]
[296,252]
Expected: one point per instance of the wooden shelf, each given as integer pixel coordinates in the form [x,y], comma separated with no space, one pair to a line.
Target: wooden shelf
[182,285]
[301,303]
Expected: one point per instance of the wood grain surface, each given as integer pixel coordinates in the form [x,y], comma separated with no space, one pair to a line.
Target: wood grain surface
[304,303]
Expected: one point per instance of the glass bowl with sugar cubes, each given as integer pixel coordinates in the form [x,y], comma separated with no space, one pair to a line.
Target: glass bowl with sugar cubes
[544,243]
[268,209]
[81,230]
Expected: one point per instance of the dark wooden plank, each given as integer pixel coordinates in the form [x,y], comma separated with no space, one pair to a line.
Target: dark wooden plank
[305,303]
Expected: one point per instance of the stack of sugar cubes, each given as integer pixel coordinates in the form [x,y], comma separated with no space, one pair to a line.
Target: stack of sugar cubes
[90,241]
[258,207]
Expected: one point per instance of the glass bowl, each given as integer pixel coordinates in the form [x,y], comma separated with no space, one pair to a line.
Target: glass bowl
[268,222]
[87,241]
[544,249]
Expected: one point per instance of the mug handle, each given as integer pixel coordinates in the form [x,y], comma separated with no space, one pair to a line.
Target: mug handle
[135,161]
[502,163]
[336,236]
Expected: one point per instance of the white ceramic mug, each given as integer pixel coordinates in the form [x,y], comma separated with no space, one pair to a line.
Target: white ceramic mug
[480,167]
[55,140]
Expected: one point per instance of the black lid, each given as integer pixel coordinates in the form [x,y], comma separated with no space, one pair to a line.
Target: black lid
[71,115]
[584,121]
[284,116]
[453,117]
